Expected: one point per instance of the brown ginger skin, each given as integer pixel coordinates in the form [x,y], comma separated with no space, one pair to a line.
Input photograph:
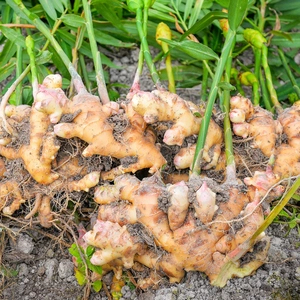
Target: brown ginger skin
[259,124]
[186,119]
[91,125]
[39,154]
[186,246]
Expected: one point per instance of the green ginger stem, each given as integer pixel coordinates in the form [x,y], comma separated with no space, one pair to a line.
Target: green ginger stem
[42,27]
[145,47]
[230,40]
[34,74]
[269,82]
[19,68]
[288,71]
[102,90]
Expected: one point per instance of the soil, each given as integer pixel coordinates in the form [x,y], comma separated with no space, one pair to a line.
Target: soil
[35,262]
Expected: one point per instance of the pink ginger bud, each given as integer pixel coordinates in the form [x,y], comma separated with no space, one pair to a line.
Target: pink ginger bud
[241,129]
[205,204]
[179,204]
[237,116]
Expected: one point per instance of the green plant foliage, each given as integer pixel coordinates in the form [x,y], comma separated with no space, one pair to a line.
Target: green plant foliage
[236,13]
[84,265]
[193,49]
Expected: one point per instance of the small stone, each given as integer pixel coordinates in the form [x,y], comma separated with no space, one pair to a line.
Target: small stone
[26,280]
[25,244]
[23,270]
[297,59]
[65,268]
[71,279]
[297,275]
[32,294]
[50,253]
[124,60]
[50,268]
[41,271]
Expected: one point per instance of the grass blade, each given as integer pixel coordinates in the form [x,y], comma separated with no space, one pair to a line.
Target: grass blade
[196,50]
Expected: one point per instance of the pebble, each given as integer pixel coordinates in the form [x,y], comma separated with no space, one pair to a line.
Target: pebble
[297,275]
[32,294]
[25,244]
[50,268]
[65,268]
[50,253]
[297,59]
[23,270]
[41,271]
[125,60]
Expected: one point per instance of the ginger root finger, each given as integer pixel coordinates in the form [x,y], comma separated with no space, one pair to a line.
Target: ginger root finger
[45,212]
[10,190]
[179,204]
[114,242]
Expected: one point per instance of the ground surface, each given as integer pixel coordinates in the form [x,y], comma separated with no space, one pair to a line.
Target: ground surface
[45,268]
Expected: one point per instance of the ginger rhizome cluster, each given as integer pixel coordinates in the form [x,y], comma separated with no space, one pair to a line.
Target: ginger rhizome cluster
[63,148]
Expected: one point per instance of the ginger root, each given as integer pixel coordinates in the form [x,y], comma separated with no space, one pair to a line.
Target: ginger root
[188,221]
[186,119]
[90,124]
[254,122]
[39,154]
[259,124]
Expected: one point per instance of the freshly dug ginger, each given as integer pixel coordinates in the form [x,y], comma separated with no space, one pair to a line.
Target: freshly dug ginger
[186,119]
[43,146]
[187,245]
[90,123]
[259,124]
[254,122]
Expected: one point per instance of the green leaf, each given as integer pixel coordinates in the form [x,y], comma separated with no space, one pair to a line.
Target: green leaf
[8,52]
[73,20]
[13,35]
[223,3]
[43,57]
[74,251]
[106,39]
[182,73]
[226,86]
[49,8]
[97,285]
[188,8]
[286,5]
[81,279]
[58,5]
[284,214]
[8,272]
[6,70]
[282,41]
[282,34]
[295,196]
[205,22]
[94,268]
[17,10]
[133,5]
[89,251]
[236,13]
[293,223]
[193,49]
[109,13]
[85,48]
